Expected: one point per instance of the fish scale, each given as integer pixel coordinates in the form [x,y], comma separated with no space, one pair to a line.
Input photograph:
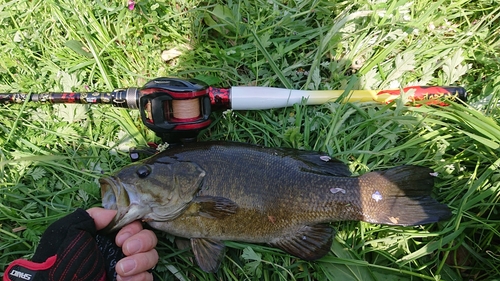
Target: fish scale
[214,191]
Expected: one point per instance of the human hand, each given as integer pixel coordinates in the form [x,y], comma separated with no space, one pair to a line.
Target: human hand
[137,244]
[71,249]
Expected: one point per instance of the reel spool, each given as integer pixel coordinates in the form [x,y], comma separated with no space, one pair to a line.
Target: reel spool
[175,109]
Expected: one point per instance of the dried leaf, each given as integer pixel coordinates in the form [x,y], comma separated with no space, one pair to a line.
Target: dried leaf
[170,54]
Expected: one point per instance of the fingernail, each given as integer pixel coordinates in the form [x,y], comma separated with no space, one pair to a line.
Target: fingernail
[126,278]
[127,265]
[133,246]
[122,237]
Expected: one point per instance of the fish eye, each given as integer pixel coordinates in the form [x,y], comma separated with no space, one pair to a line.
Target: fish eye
[143,171]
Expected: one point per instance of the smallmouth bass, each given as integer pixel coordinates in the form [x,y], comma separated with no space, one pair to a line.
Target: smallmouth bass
[209,192]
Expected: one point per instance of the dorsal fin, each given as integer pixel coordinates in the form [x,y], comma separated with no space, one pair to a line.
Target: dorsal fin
[208,253]
[309,243]
[317,162]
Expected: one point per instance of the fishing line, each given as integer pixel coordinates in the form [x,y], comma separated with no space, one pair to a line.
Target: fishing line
[186,109]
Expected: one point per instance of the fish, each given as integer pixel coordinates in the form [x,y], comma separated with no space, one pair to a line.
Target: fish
[211,192]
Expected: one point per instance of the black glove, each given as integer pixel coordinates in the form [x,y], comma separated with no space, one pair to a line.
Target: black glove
[69,249]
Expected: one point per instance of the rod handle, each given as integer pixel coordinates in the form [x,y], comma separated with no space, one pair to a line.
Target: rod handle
[255,98]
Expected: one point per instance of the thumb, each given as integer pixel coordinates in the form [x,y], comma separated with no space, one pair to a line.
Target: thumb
[102,217]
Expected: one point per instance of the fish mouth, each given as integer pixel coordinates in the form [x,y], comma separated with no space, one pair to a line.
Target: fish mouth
[121,197]
[109,190]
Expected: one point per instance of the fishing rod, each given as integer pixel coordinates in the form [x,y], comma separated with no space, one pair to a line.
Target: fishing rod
[177,109]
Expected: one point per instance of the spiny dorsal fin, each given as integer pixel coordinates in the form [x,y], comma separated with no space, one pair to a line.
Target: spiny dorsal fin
[215,207]
[208,253]
[309,243]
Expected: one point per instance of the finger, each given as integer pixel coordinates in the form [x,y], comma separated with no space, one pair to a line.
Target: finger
[128,231]
[102,217]
[137,263]
[141,242]
[143,276]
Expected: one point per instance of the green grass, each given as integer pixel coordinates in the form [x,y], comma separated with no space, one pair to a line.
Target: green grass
[52,156]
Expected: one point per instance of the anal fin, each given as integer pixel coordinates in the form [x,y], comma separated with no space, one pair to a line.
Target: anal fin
[208,253]
[309,243]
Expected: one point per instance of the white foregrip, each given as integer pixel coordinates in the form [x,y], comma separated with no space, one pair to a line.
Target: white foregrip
[253,98]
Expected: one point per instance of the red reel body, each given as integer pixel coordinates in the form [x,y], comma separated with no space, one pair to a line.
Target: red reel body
[175,109]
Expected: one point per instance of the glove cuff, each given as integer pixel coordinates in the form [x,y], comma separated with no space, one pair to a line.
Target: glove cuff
[23,270]
[67,251]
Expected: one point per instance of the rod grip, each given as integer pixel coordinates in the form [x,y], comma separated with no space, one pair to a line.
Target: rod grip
[420,93]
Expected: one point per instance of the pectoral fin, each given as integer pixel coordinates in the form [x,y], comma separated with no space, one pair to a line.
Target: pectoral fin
[215,207]
[208,253]
[309,243]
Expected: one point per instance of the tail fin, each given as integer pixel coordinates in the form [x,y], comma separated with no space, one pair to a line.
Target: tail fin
[401,196]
